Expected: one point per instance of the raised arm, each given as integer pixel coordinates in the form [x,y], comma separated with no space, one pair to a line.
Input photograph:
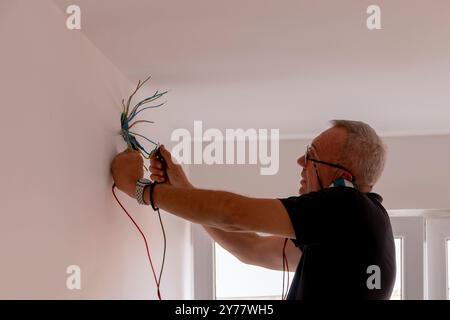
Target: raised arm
[127,168]
[224,210]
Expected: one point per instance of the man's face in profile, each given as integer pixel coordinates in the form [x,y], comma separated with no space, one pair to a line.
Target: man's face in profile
[326,147]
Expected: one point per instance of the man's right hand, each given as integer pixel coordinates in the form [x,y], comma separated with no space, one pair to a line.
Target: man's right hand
[168,172]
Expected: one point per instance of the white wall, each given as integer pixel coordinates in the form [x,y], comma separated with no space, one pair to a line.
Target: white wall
[60,106]
[416,176]
[417,173]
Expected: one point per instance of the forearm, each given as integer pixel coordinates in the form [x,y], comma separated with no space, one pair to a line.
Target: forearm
[239,244]
[211,208]
[257,250]
[223,210]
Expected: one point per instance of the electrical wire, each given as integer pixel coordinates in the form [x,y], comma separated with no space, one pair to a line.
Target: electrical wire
[285,268]
[157,280]
[164,250]
[126,117]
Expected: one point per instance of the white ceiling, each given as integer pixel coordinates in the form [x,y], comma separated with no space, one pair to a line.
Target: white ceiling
[291,65]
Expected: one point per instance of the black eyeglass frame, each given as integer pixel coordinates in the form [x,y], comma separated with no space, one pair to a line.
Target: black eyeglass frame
[330,164]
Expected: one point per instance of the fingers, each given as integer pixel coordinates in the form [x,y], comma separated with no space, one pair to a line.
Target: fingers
[156,171]
[156,164]
[167,156]
[157,174]
[157,178]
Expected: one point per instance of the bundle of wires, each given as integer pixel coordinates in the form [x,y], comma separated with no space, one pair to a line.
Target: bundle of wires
[126,118]
[129,115]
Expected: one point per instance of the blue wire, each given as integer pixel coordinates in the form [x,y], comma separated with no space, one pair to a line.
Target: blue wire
[136,113]
[125,120]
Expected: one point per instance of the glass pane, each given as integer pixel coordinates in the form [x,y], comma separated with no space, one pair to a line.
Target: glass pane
[237,280]
[397,292]
[448,269]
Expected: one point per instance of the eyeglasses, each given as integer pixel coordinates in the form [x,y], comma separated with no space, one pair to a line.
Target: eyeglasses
[334,165]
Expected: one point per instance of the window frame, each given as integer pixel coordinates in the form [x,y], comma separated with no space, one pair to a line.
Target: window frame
[438,233]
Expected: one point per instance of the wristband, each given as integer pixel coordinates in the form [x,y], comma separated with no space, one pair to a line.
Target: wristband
[152,187]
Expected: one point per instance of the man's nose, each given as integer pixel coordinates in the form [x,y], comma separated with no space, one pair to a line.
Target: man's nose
[301,161]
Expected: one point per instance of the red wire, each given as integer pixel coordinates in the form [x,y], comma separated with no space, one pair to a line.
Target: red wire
[145,241]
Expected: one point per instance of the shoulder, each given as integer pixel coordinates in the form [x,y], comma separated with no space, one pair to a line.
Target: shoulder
[347,194]
[337,200]
[329,194]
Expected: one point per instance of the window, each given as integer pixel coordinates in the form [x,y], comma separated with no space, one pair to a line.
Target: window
[437,244]
[237,280]
[448,269]
[397,292]
[409,235]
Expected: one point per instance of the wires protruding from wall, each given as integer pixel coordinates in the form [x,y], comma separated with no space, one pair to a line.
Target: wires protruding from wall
[129,115]
[157,280]
[131,138]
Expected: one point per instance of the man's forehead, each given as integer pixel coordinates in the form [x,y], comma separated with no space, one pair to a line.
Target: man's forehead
[320,137]
[330,135]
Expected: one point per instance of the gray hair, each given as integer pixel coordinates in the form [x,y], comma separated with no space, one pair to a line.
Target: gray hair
[364,153]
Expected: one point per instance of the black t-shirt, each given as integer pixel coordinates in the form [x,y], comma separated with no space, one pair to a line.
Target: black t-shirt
[341,232]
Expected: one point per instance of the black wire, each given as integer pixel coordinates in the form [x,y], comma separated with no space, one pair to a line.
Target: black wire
[287,272]
[285,269]
[287,289]
[164,250]
[282,290]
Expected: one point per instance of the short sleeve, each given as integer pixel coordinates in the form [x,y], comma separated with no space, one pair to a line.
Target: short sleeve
[318,217]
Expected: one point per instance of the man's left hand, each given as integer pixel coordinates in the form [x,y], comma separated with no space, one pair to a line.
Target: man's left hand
[127,169]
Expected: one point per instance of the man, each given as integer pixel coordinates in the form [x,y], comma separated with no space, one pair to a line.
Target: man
[342,244]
